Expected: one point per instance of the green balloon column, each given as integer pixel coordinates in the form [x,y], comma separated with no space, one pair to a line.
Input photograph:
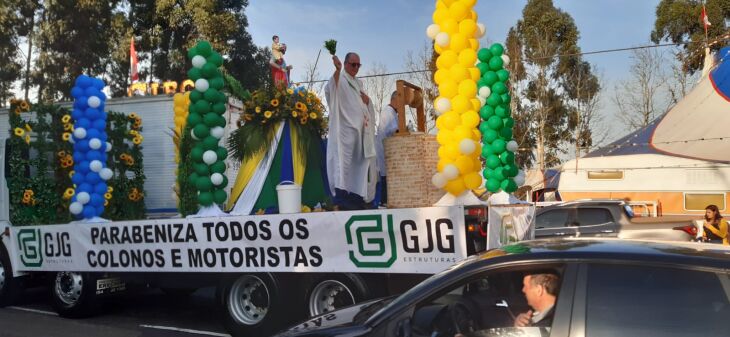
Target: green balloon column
[207,106]
[497,123]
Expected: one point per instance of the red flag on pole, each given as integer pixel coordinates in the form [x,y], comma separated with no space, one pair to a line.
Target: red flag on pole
[133,74]
[705,20]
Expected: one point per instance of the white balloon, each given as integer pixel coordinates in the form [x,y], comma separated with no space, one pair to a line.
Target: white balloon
[95,166]
[95,143]
[484,92]
[198,61]
[108,147]
[93,102]
[217,132]
[106,173]
[80,133]
[467,146]
[442,39]
[450,171]
[520,178]
[83,198]
[482,101]
[193,135]
[174,197]
[439,180]
[512,146]
[432,30]
[71,140]
[216,178]
[505,60]
[210,157]
[482,29]
[76,207]
[202,85]
[442,105]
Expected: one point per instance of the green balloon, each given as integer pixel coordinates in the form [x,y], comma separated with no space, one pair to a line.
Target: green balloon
[497,174]
[486,111]
[509,122]
[224,183]
[210,143]
[506,98]
[202,107]
[496,63]
[503,75]
[500,111]
[484,54]
[209,70]
[490,77]
[489,136]
[210,119]
[201,169]
[194,118]
[192,52]
[483,127]
[222,98]
[506,133]
[195,96]
[493,162]
[205,198]
[496,49]
[494,100]
[483,67]
[194,74]
[192,178]
[495,123]
[222,153]
[218,167]
[219,196]
[499,88]
[219,108]
[215,58]
[498,145]
[204,184]
[487,151]
[221,121]
[510,187]
[493,185]
[217,83]
[510,170]
[204,49]
[211,95]
[487,172]
[196,154]
[507,158]
[201,131]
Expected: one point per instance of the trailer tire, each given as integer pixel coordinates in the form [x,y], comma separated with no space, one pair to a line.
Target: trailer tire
[253,304]
[330,292]
[73,294]
[10,287]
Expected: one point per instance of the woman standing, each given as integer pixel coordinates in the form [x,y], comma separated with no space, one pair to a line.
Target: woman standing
[715,226]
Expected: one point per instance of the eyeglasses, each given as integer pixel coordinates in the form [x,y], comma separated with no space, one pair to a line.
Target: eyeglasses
[356,65]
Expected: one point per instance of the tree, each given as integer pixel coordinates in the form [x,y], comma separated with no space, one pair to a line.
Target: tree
[679,21]
[10,67]
[639,99]
[378,87]
[583,91]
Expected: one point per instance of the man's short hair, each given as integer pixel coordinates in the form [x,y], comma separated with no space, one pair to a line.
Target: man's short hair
[274,37]
[549,281]
[348,55]
[394,95]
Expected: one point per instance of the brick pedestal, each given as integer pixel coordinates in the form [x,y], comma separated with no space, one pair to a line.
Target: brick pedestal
[411,162]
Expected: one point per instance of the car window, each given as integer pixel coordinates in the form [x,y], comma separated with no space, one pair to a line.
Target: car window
[552,219]
[652,301]
[593,216]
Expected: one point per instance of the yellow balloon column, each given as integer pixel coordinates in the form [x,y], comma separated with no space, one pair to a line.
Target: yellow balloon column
[455,32]
[180,103]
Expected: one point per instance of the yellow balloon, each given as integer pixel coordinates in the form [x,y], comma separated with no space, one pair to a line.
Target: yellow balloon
[455,187]
[477,162]
[440,123]
[448,88]
[438,49]
[439,15]
[178,110]
[448,2]
[470,119]
[452,151]
[441,5]
[472,180]
[179,120]
[447,59]
[464,164]
[458,73]
[473,14]
[468,88]
[450,26]
[458,42]
[458,11]
[451,120]
[442,151]
[178,99]
[461,132]
[474,73]
[444,137]
[467,27]
[460,103]
[476,136]
[441,75]
[473,44]
[475,104]
[468,58]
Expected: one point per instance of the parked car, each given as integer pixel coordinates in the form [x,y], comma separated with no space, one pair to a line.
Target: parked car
[607,287]
[605,218]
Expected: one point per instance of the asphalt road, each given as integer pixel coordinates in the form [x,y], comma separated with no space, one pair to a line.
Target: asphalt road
[147,314]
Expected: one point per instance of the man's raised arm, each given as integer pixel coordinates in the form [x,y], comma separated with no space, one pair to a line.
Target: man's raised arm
[338,68]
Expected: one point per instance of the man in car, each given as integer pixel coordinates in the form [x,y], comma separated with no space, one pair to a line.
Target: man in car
[541,290]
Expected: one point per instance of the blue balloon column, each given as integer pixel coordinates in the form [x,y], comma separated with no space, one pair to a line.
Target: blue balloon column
[90,147]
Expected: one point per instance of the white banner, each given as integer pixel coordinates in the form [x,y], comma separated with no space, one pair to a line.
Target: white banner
[420,240]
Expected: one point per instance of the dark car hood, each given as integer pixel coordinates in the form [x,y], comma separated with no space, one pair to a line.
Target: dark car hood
[336,323]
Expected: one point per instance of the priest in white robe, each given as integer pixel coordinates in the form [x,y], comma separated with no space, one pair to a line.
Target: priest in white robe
[351,163]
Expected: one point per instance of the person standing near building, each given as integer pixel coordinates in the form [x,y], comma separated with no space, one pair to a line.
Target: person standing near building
[387,126]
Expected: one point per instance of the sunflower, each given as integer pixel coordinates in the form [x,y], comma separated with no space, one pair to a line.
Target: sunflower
[68,193]
[66,136]
[274,102]
[107,196]
[133,116]
[123,156]
[268,114]
[303,120]
[247,117]
[258,109]
[17,111]
[13,101]
[312,115]
[289,91]
[106,203]
[300,106]
[137,140]
[133,132]
[24,106]
[294,113]
[66,118]
[19,132]
[130,161]
[27,139]
[109,189]
[68,127]
[301,93]
[61,153]
[71,173]
[27,127]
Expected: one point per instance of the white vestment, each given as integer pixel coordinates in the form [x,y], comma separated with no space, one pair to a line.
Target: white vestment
[351,143]
[387,126]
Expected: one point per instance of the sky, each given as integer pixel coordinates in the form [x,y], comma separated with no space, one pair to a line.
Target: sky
[385,30]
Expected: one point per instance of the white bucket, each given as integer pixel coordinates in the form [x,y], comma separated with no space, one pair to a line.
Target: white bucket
[290,197]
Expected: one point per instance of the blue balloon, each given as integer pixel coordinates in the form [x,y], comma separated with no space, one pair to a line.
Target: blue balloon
[91,91]
[82,145]
[100,188]
[81,103]
[78,156]
[83,81]
[102,95]
[98,83]
[103,156]
[84,168]
[93,178]
[83,123]
[77,114]
[77,178]
[84,187]
[93,155]
[99,210]
[99,124]
[88,212]
[76,92]
[92,133]
[92,114]
[103,137]
[96,200]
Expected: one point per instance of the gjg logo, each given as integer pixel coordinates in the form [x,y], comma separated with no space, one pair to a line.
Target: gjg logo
[374,244]
[29,244]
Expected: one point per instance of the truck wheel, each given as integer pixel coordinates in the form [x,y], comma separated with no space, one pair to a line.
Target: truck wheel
[10,287]
[333,291]
[253,305]
[73,294]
